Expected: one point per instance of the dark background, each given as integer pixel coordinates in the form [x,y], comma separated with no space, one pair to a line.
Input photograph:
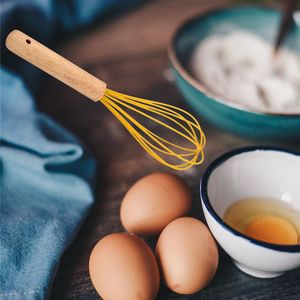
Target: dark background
[129,53]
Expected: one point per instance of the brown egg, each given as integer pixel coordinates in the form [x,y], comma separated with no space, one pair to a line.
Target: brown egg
[187,254]
[153,202]
[122,266]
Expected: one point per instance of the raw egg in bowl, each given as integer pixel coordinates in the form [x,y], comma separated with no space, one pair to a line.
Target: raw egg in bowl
[251,201]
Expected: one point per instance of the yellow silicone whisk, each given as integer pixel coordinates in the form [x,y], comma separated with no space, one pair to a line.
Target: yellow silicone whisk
[183,141]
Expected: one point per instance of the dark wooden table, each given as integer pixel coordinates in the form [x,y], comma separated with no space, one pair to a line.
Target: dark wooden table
[129,53]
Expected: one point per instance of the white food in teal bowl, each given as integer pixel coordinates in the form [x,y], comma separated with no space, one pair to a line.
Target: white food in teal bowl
[264,103]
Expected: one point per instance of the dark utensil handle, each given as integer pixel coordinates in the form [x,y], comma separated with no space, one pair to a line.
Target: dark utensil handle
[286,22]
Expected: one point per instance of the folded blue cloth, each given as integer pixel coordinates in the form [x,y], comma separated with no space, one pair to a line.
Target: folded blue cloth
[46,175]
[45,193]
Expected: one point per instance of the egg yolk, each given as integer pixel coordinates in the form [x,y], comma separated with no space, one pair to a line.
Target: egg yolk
[272,229]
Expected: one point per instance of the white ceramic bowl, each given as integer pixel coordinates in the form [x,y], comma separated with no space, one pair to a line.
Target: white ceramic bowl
[252,172]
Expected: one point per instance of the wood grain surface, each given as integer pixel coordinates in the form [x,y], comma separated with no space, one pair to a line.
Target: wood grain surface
[129,53]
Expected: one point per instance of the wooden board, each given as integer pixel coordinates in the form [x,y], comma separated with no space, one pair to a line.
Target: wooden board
[129,53]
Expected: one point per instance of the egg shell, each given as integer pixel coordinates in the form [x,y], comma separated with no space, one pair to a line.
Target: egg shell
[122,266]
[153,202]
[187,255]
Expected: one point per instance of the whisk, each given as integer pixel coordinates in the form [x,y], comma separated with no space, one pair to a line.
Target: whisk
[177,123]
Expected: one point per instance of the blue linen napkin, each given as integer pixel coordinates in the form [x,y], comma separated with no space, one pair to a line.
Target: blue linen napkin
[45,193]
[46,174]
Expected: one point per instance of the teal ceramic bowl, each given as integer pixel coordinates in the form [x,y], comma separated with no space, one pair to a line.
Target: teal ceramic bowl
[235,118]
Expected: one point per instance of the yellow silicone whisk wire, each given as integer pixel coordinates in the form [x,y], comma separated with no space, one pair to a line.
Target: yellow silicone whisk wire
[175,119]
[183,141]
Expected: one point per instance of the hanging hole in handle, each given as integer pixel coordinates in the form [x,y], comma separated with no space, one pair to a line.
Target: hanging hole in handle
[28,41]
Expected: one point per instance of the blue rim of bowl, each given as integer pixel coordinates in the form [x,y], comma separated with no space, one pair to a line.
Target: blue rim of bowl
[175,62]
[205,199]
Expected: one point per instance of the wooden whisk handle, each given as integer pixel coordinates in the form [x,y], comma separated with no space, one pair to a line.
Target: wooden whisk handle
[55,65]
